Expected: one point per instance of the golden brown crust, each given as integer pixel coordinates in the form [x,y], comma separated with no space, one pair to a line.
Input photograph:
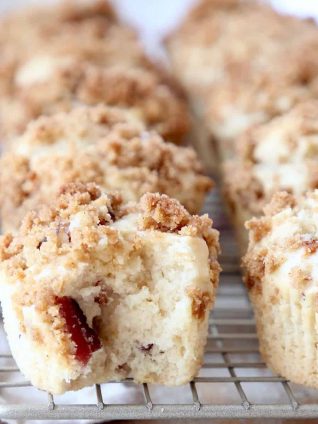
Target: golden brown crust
[101,145]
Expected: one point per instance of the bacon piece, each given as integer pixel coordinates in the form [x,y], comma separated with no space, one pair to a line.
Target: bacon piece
[85,339]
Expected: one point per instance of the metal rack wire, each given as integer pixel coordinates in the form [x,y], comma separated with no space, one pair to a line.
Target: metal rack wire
[233,383]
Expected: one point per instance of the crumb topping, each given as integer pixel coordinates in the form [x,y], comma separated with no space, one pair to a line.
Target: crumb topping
[283,243]
[55,57]
[102,145]
[162,213]
[95,36]
[37,27]
[77,228]
[289,138]
[279,155]
[151,97]
[200,302]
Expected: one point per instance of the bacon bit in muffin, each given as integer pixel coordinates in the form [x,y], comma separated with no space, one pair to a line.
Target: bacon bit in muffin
[85,339]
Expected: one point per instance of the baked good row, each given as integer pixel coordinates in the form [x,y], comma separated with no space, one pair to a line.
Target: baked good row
[251,75]
[94,262]
[107,273]
[92,275]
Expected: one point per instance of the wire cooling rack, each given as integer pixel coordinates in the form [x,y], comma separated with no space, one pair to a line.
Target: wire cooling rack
[233,382]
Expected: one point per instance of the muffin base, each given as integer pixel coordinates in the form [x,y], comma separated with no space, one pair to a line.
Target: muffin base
[287,327]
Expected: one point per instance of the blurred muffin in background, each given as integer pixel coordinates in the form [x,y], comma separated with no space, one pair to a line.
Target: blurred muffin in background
[104,145]
[243,64]
[33,22]
[55,57]
[281,155]
[48,84]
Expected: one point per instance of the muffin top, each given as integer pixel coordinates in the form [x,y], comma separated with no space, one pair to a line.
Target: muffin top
[279,155]
[83,221]
[283,243]
[55,57]
[37,40]
[98,144]
[47,84]
[233,54]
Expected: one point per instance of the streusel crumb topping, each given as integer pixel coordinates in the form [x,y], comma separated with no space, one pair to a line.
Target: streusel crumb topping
[283,242]
[82,216]
[100,144]
[216,54]
[279,155]
[147,93]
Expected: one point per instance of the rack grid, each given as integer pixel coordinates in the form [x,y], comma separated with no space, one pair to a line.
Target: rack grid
[233,382]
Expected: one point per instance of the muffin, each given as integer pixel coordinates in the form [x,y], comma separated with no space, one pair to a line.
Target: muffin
[105,49]
[47,84]
[281,275]
[100,144]
[231,57]
[279,155]
[94,290]
[82,55]
[86,31]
